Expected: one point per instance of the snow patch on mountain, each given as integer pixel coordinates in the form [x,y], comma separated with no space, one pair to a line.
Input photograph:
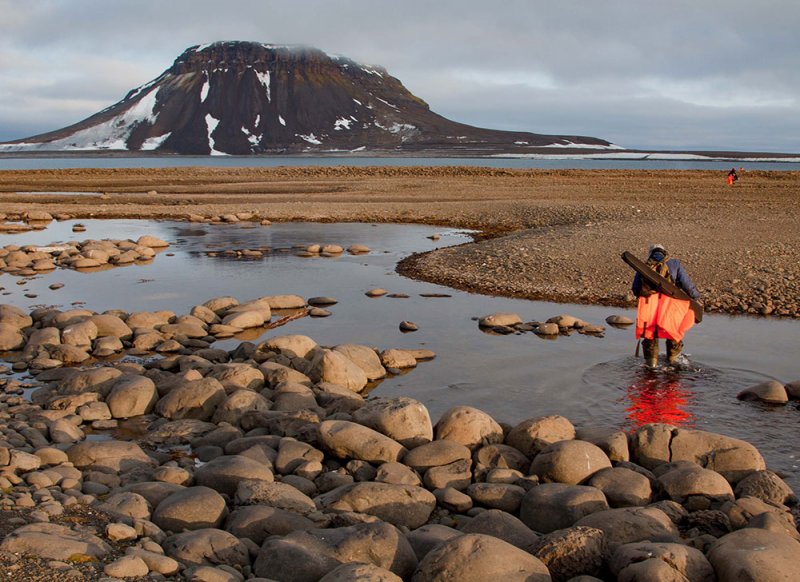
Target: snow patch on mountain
[204,90]
[153,143]
[342,123]
[310,138]
[211,125]
[264,78]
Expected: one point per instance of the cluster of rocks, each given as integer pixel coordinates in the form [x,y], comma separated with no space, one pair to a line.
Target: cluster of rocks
[300,250]
[230,218]
[510,323]
[31,260]
[49,338]
[29,220]
[256,472]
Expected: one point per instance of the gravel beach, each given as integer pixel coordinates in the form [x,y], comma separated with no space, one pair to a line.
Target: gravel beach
[545,234]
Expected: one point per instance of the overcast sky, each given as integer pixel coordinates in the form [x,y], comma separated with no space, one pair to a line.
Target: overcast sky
[694,74]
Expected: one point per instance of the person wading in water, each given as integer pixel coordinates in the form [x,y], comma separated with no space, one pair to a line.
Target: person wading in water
[658,315]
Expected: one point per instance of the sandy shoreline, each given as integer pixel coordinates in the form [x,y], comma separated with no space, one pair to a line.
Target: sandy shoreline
[547,234]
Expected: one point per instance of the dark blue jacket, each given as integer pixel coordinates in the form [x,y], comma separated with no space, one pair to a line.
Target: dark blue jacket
[676,271]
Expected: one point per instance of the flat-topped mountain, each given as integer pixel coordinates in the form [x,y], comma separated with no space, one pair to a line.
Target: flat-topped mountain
[243,98]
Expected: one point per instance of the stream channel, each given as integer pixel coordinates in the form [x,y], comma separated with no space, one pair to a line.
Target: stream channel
[593,381]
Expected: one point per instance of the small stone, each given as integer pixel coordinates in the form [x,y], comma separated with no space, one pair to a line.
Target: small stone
[321,301]
[408,326]
[127,567]
[120,532]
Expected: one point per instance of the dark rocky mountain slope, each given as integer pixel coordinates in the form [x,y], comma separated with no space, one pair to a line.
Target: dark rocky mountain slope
[245,98]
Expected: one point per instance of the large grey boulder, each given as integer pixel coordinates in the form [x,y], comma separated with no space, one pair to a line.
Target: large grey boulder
[237,376]
[221,304]
[771,392]
[131,395]
[626,525]
[614,442]
[572,552]
[401,505]
[153,491]
[767,486]
[365,358]
[687,480]
[126,504]
[500,457]
[258,522]
[436,454]
[208,546]
[111,325]
[742,512]
[504,496]
[223,474]
[190,508]
[553,506]
[292,346]
[284,301]
[349,440]
[425,538]
[117,456]
[195,399]
[336,368]
[569,462]
[237,404]
[645,561]
[293,453]
[360,573]
[755,554]
[403,419]
[499,319]
[275,374]
[278,495]
[80,334]
[502,525]
[14,316]
[98,380]
[307,556]
[54,542]
[622,487]
[476,558]
[734,459]
[532,435]
[468,426]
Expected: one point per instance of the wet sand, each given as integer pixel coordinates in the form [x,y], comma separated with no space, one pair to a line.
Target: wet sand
[546,234]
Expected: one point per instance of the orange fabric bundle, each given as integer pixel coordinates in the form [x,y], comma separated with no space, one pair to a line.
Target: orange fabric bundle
[662,316]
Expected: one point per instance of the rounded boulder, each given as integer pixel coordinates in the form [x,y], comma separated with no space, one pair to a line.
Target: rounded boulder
[569,462]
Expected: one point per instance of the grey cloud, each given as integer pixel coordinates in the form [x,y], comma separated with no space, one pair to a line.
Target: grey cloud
[642,74]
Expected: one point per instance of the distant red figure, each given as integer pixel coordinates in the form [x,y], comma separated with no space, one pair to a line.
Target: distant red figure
[732,176]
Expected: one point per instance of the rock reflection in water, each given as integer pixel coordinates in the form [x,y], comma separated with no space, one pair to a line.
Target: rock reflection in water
[657,396]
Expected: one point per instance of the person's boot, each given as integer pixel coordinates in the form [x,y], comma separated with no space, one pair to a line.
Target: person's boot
[650,351]
[674,350]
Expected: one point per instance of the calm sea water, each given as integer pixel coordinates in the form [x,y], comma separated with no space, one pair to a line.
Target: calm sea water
[44,163]
[590,380]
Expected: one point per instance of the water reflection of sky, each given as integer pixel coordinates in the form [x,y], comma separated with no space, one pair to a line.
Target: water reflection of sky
[590,380]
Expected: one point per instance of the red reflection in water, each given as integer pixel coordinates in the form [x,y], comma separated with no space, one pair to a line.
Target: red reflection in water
[659,398]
